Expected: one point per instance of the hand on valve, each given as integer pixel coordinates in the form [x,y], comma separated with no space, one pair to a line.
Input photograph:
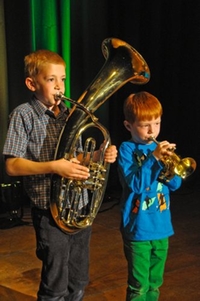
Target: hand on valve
[163,149]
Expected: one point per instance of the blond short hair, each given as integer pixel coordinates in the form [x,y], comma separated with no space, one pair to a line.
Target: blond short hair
[35,61]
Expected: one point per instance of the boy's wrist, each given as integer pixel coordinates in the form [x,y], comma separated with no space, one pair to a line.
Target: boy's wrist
[156,157]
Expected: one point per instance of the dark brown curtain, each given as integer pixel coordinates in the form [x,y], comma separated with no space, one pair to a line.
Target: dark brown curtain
[166,33]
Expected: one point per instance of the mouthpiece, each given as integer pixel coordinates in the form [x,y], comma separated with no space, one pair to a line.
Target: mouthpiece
[58,95]
[172,149]
[151,138]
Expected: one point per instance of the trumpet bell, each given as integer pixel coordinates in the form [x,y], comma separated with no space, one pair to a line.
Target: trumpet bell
[175,165]
[185,167]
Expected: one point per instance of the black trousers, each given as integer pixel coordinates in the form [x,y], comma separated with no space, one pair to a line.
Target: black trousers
[65,259]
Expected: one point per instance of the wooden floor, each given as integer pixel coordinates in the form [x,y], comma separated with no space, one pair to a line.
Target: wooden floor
[20,269]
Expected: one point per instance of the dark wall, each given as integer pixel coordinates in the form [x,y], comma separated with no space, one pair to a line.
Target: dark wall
[166,33]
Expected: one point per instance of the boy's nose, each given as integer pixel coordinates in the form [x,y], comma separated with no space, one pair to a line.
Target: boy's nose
[57,87]
[150,129]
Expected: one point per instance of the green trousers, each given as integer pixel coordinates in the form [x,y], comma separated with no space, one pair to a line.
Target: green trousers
[146,264]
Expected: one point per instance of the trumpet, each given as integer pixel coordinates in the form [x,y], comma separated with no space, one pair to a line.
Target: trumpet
[175,165]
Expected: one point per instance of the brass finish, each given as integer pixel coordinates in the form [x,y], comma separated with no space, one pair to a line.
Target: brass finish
[123,64]
[175,165]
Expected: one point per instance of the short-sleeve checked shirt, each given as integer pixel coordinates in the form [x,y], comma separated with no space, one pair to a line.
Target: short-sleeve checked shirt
[33,134]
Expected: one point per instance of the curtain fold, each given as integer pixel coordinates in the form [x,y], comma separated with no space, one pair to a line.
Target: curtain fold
[44,24]
[50,29]
[65,20]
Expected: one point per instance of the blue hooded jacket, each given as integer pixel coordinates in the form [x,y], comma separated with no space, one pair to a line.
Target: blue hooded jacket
[145,202]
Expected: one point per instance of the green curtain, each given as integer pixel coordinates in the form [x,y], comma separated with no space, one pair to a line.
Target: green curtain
[50,29]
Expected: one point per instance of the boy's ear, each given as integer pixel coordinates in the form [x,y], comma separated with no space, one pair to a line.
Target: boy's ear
[30,83]
[127,125]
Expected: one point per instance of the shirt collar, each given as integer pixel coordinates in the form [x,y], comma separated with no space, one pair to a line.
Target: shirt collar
[41,109]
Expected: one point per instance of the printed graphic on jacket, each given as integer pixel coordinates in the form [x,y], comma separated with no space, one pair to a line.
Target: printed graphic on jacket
[149,201]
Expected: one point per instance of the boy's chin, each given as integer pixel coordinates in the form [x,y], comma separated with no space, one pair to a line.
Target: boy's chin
[141,141]
[145,141]
[57,102]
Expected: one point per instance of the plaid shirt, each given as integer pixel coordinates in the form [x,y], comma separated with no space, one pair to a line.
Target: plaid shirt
[33,134]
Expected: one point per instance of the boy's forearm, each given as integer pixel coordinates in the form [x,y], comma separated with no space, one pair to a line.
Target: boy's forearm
[23,167]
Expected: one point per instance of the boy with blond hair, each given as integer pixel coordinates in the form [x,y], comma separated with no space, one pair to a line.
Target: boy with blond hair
[29,149]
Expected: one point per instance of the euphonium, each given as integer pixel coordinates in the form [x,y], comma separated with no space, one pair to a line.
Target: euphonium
[175,165]
[68,207]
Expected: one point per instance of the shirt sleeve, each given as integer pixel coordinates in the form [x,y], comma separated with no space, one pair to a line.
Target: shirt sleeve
[17,136]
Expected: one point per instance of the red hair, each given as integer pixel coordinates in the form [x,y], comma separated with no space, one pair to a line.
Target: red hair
[142,106]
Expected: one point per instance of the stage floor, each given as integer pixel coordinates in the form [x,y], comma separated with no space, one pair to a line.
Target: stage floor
[20,269]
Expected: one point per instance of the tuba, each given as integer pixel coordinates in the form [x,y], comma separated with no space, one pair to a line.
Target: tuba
[75,204]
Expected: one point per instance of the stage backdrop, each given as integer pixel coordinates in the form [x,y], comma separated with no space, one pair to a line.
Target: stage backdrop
[166,33]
